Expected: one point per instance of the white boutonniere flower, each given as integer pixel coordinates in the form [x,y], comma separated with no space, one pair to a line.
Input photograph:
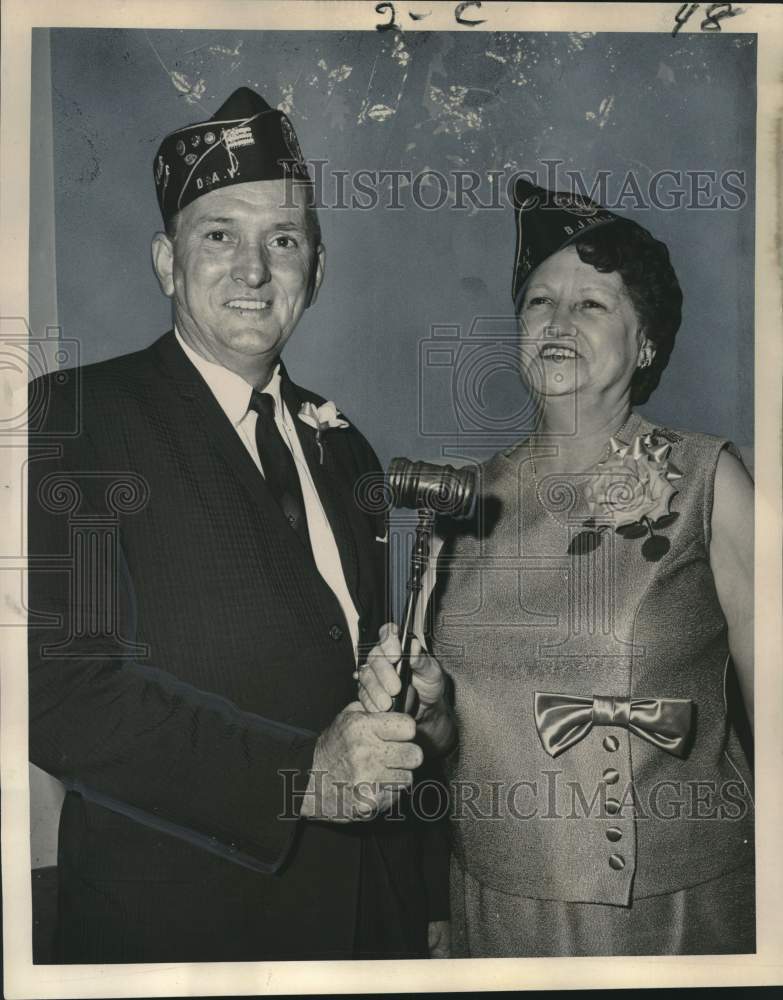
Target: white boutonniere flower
[325,417]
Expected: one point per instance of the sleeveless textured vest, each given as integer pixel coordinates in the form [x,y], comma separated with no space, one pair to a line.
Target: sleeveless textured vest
[613,816]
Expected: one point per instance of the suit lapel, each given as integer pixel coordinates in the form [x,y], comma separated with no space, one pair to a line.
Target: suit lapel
[205,414]
[333,484]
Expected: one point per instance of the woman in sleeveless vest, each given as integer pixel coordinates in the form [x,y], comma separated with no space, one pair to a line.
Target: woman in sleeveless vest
[589,624]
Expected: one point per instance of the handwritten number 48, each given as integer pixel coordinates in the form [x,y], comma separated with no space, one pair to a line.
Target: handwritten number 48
[716,13]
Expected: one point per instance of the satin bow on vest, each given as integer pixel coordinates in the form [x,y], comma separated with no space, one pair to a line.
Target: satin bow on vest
[562,719]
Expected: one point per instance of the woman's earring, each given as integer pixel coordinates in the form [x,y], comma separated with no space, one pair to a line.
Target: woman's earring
[646,359]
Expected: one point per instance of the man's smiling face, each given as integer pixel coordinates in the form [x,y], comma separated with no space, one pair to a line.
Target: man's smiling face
[241,269]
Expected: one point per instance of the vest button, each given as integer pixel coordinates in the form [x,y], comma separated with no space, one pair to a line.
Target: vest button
[617,861]
[612,807]
[336,633]
[614,834]
[611,777]
[611,743]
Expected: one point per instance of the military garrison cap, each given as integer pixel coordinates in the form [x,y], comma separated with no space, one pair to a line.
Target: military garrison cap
[245,140]
[548,221]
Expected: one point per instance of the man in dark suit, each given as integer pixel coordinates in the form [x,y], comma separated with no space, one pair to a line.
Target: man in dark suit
[203,584]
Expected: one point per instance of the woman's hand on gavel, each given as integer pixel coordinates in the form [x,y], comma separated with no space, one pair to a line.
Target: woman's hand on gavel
[379,683]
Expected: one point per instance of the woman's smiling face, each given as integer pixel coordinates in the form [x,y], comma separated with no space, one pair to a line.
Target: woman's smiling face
[580,331]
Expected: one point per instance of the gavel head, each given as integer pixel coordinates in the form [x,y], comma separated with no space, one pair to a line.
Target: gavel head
[425,486]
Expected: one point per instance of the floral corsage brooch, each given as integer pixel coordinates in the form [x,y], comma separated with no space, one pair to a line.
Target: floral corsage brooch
[631,491]
[325,417]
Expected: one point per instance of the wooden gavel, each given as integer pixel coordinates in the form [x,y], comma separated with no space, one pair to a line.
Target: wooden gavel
[430,490]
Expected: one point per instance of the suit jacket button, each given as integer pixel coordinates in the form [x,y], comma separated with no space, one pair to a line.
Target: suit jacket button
[336,633]
[611,743]
[612,807]
[611,776]
[614,834]
[617,861]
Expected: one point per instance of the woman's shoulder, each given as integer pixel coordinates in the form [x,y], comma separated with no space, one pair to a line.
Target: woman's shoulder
[693,446]
[709,466]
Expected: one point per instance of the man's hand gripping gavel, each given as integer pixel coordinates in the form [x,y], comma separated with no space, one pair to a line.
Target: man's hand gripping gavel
[364,760]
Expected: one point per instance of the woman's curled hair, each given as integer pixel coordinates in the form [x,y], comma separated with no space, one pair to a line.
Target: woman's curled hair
[643,263]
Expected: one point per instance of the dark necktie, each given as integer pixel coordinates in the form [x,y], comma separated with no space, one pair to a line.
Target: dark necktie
[278,465]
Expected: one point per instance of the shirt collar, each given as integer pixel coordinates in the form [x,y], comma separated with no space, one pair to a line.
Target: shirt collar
[230,390]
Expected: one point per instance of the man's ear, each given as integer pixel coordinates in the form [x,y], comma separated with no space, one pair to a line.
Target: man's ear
[316,274]
[163,262]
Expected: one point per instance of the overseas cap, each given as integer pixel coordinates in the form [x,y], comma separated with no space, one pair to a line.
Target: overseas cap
[245,140]
[547,221]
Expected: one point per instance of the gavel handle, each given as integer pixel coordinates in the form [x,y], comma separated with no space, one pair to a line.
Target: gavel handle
[405,673]
[419,560]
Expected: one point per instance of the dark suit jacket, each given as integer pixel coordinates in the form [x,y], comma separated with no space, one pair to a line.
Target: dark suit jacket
[184,650]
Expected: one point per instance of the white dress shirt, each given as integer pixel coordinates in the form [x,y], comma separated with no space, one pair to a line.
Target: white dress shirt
[233,394]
